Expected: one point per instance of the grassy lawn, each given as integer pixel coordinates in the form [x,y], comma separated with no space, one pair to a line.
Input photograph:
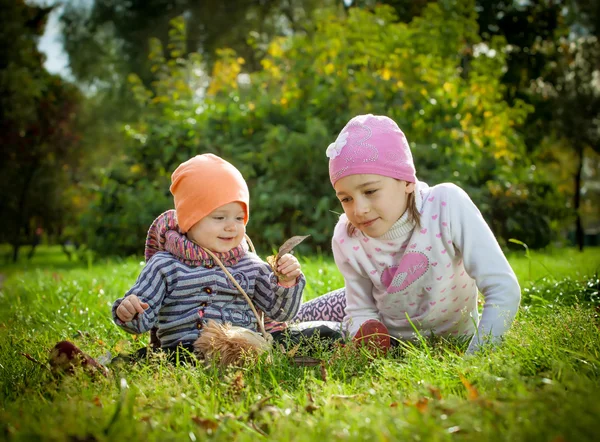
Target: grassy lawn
[542,384]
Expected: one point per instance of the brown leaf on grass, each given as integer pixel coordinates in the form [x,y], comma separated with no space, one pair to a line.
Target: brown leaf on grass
[435,392]
[306,361]
[344,396]
[237,384]
[292,352]
[206,424]
[394,405]
[323,371]
[420,405]
[472,392]
[311,407]
[66,357]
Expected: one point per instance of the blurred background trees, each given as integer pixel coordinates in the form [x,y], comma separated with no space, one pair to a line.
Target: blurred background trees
[499,97]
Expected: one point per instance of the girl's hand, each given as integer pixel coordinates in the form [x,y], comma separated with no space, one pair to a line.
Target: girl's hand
[129,307]
[289,267]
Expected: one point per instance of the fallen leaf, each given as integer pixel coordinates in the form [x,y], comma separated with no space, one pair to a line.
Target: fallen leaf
[473,394]
[323,371]
[293,351]
[311,408]
[206,424]
[237,384]
[306,361]
[435,392]
[421,404]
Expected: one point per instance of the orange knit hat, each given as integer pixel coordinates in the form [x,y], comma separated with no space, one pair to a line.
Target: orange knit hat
[204,183]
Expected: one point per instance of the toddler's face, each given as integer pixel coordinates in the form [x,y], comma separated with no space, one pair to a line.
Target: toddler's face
[373,203]
[221,230]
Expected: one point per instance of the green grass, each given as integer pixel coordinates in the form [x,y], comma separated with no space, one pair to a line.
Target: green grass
[542,384]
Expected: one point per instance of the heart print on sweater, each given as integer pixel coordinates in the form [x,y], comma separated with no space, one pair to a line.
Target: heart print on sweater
[412,266]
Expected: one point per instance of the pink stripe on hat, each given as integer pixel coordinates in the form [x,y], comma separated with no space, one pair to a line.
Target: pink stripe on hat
[371,144]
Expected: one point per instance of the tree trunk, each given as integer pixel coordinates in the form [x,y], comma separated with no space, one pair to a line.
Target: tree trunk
[579,234]
[21,210]
[16,245]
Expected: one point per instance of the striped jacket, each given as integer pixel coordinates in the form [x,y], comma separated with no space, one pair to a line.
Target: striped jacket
[181,297]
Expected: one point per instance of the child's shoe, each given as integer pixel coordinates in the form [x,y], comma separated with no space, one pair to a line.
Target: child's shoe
[374,335]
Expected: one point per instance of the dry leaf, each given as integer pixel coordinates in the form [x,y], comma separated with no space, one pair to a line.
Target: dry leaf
[306,361]
[237,384]
[289,245]
[343,396]
[435,392]
[473,394]
[421,404]
[206,424]
[292,352]
[323,371]
[272,262]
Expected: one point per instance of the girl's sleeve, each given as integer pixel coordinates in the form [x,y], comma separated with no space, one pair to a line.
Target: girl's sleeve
[278,302]
[151,287]
[360,305]
[485,262]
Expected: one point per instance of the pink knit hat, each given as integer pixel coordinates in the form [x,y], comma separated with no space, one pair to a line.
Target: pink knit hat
[371,144]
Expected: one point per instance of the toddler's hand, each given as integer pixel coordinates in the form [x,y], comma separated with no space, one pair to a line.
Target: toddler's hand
[289,267]
[129,307]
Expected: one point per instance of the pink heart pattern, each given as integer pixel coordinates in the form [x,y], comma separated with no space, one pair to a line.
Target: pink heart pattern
[412,266]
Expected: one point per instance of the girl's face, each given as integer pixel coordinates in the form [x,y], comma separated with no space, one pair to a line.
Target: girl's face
[221,230]
[373,203]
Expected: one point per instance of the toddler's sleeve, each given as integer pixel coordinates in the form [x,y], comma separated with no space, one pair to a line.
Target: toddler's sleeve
[150,287]
[278,302]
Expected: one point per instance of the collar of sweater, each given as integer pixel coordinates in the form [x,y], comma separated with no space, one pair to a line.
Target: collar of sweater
[189,253]
[404,226]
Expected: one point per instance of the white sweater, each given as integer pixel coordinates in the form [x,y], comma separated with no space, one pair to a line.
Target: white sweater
[429,274]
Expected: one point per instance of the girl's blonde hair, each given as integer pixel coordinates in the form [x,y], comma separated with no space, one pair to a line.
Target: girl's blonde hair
[413,214]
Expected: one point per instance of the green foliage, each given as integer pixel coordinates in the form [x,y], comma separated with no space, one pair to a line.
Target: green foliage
[275,123]
[39,135]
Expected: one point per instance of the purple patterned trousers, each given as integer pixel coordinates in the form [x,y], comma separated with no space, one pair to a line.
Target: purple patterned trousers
[329,307]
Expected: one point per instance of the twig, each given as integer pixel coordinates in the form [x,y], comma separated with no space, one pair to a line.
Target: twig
[32,359]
